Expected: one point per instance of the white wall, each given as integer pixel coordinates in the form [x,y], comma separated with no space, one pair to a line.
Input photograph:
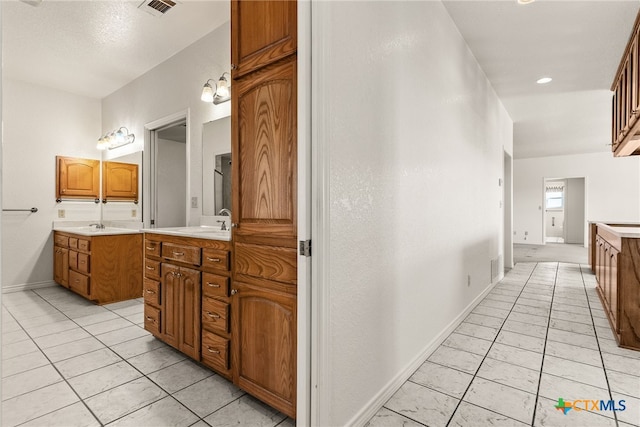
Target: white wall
[414,137]
[172,87]
[40,123]
[612,189]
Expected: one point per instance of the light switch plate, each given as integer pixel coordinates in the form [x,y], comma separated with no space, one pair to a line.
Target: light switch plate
[194,202]
[61,213]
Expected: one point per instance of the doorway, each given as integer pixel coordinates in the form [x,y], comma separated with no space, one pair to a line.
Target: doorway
[168,172]
[564,211]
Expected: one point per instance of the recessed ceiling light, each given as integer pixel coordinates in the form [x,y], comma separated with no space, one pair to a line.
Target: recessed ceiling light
[544,80]
[525,1]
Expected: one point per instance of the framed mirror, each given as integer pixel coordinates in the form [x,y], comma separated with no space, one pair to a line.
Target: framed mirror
[216,166]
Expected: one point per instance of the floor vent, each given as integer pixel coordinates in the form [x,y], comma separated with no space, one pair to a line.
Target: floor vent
[157,7]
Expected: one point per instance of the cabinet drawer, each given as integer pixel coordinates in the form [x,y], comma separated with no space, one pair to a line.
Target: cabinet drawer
[73,242]
[152,319]
[61,240]
[215,350]
[152,269]
[214,285]
[151,292]
[216,259]
[84,245]
[183,253]
[83,263]
[215,315]
[152,248]
[78,282]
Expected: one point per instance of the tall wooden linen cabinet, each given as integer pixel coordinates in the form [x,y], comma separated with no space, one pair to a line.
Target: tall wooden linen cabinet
[264,169]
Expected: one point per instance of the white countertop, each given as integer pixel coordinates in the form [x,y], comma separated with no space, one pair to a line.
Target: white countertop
[198,232]
[93,231]
[626,232]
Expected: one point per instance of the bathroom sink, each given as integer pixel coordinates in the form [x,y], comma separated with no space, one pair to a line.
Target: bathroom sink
[203,231]
[93,231]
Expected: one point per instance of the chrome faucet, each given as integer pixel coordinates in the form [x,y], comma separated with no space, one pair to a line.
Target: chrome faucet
[225,212]
[223,227]
[98,226]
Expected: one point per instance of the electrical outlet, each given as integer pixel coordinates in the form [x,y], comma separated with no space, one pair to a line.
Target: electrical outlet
[61,213]
[134,213]
[526,233]
[194,202]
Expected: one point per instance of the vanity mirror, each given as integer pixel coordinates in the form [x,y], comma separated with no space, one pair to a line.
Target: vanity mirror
[216,166]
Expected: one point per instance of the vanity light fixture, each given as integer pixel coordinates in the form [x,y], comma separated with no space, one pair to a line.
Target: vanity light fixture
[115,139]
[544,80]
[221,93]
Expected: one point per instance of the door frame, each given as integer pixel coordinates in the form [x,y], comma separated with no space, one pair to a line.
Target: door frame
[149,170]
[585,224]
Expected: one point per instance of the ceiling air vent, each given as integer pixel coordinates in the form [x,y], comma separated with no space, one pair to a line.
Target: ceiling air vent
[156,7]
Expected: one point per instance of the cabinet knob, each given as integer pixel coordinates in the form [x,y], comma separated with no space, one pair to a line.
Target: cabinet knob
[235,225]
[234,291]
[234,66]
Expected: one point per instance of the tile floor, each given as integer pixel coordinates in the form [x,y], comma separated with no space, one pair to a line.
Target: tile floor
[539,335]
[67,362]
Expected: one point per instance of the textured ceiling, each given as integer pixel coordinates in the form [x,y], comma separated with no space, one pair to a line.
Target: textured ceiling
[93,48]
[577,43]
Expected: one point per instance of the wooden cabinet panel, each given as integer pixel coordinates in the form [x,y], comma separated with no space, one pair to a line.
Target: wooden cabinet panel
[189,312]
[264,137]
[182,253]
[215,351]
[77,178]
[61,240]
[84,245]
[613,287]
[261,261]
[83,263]
[262,32]
[61,266]
[73,242]
[119,181]
[170,304]
[264,345]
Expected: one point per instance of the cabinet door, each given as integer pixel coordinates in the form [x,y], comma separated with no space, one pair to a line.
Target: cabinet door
[264,137]
[119,181]
[264,345]
[189,312]
[77,178]
[255,44]
[170,310]
[61,266]
[613,288]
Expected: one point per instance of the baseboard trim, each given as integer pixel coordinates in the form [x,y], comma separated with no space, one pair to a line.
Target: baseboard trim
[27,286]
[378,401]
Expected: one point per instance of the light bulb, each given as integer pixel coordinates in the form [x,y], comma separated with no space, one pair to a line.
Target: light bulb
[207,93]
[223,88]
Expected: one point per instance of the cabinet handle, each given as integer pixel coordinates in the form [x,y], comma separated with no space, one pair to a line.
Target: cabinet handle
[178,253]
[213,259]
[149,268]
[212,350]
[213,285]
[234,291]
[213,315]
[76,281]
[150,291]
[82,262]
[151,319]
[151,248]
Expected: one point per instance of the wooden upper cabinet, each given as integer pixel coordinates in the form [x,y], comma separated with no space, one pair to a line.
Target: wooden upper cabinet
[262,32]
[625,126]
[77,178]
[265,154]
[119,181]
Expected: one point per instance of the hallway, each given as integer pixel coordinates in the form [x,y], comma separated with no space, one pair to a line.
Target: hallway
[538,336]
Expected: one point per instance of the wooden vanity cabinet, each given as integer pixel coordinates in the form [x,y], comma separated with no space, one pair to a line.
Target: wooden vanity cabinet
[103,269]
[77,178]
[187,297]
[119,181]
